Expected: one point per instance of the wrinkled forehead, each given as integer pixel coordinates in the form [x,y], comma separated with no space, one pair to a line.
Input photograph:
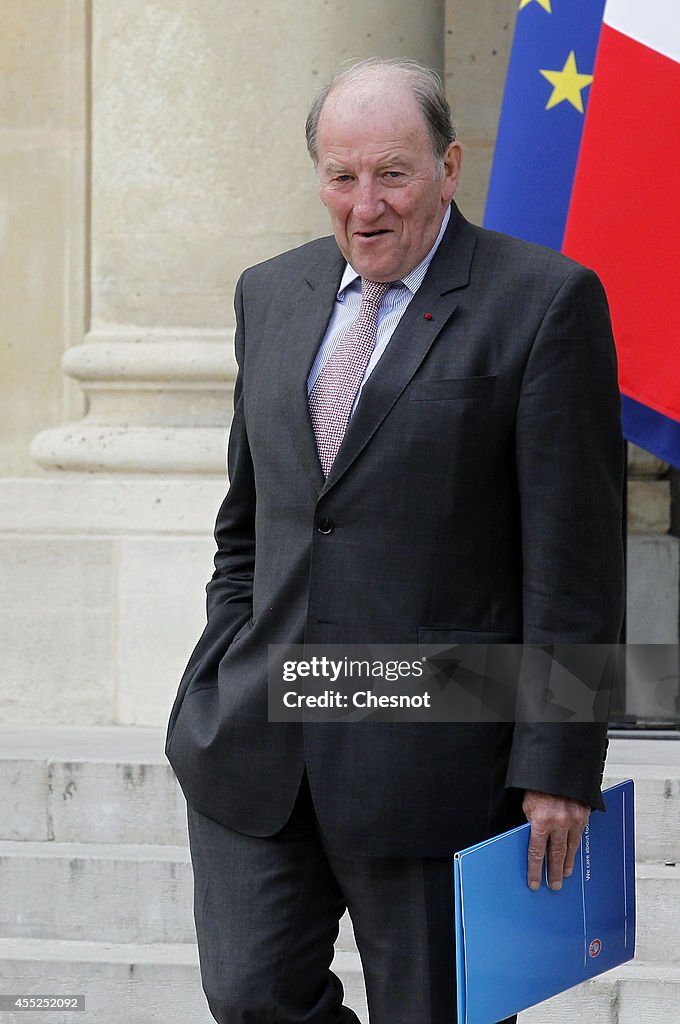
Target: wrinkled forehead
[380,108]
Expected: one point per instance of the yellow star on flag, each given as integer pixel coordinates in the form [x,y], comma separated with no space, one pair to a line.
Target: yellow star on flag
[567,84]
[545,4]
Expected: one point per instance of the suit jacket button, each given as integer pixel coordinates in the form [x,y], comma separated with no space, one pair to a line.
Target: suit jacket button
[325,525]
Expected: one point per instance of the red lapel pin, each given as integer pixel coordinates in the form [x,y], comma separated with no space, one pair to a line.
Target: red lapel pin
[428,316]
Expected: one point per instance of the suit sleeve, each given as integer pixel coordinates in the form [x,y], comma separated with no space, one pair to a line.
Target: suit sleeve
[230,591]
[570,453]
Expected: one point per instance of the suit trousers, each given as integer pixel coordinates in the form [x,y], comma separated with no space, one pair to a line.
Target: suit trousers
[267,912]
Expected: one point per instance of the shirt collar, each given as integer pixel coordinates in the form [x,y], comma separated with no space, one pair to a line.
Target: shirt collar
[414,279]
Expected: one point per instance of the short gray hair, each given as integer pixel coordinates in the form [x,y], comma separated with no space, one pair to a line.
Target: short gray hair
[427,88]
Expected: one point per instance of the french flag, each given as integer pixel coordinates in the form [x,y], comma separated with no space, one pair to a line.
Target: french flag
[587,160]
[624,215]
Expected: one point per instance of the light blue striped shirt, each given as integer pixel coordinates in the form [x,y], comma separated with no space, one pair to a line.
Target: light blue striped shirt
[392,308]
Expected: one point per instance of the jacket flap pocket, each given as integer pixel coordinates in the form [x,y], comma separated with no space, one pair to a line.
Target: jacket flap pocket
[451,635]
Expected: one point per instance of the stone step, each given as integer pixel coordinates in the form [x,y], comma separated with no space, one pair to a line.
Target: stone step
[94,847]
[143,893]
[657,809]
[636,993]
[347,966]
[160,984]
[155,983]
[658,914]
[91,891]
[136,984]
[99,784]
[94,891]
[112,784]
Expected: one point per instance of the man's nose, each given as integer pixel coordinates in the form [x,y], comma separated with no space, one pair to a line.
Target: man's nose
[369,204]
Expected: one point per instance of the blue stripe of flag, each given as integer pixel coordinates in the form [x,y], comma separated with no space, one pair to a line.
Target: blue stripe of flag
[651,430]
[537,149]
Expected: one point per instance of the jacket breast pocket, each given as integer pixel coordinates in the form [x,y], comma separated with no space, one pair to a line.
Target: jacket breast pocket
[448,389]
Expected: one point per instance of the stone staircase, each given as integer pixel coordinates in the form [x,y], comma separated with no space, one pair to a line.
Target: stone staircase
[647,990]
[95,885]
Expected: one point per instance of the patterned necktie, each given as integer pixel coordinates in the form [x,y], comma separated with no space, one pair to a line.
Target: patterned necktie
[332,397]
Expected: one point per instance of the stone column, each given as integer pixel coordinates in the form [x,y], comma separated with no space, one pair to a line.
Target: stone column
[477,54]
[197,169]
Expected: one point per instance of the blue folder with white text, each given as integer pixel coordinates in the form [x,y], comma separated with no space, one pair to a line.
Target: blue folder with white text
[516,947]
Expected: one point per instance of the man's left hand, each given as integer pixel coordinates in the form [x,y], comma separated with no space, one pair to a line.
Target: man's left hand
[556,827]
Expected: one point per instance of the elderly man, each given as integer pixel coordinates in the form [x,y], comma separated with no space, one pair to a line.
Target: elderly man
[425,449]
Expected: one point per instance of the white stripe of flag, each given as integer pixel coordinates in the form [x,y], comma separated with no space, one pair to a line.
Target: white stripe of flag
[654,23]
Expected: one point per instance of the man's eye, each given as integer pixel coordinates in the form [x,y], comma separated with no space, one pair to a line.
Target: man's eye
[394,174]
[342,177]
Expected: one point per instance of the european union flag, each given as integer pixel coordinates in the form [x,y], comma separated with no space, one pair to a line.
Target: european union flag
[551,67]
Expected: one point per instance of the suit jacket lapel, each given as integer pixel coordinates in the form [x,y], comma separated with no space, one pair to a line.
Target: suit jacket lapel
[416,333]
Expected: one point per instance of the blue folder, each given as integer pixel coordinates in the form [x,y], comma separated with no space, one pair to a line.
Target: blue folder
[516,947]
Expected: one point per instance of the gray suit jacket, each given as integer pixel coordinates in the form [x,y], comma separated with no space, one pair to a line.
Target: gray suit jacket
[476,498]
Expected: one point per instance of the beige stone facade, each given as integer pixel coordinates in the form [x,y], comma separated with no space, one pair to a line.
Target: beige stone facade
[149,151]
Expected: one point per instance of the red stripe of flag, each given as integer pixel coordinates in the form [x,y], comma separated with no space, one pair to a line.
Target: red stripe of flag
[624,217]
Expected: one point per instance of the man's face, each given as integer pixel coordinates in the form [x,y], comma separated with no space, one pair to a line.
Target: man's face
[379,179]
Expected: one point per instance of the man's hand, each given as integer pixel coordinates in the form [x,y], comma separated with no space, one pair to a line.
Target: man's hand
[556,827]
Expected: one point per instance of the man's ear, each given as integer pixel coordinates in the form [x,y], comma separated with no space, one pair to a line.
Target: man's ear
[453,160]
